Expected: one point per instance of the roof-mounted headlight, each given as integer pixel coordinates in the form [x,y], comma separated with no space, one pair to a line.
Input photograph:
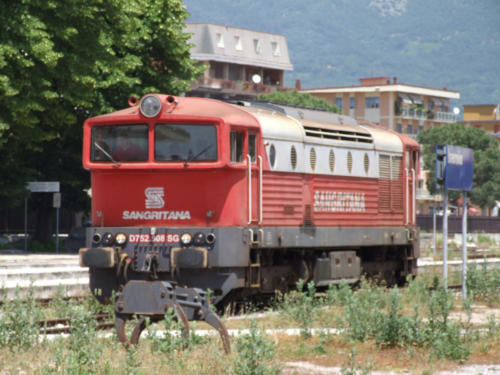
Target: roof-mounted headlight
[150,106]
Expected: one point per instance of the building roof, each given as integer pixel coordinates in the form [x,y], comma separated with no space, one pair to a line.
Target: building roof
[238,46]
[388,87]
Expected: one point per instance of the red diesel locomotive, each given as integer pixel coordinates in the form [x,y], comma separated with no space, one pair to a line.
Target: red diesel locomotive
[243,199]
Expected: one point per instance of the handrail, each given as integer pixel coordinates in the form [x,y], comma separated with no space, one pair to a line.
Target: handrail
[260,189]
[249,189]
[414,200]
[407,173]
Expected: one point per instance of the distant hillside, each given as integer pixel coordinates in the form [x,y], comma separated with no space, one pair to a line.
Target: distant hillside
[453,43]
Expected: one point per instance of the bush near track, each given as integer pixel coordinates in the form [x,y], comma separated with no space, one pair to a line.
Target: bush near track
[378,328]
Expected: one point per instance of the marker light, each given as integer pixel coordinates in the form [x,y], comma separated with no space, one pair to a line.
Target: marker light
[150,106]
[199,239]
[121,238]
[108,239]
[186,239]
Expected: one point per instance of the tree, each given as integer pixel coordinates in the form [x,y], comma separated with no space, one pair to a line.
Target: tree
[486,186]
[300,99]
[61,62]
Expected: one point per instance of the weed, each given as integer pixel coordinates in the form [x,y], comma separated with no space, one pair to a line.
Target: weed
[19,322]
[338,295]
[255,354]
[483,284]
[301,307]
[354,368]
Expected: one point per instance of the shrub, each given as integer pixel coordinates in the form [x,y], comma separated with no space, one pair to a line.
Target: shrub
[301,306]
[255,354]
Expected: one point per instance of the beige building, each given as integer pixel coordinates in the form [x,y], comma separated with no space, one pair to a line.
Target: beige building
[401,107]
[241,62]
[485,116]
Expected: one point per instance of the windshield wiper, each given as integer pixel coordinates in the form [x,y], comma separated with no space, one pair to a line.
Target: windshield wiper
[106,153]
[188,160]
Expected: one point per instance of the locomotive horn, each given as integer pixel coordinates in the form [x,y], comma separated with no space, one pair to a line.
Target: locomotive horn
[132,101]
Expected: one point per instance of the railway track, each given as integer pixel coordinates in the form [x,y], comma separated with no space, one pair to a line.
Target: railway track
[63,325]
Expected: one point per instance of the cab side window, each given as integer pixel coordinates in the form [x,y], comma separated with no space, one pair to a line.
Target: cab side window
[252,147]
[236,146]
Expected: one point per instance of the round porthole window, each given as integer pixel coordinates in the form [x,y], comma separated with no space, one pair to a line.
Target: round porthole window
[332,161]
[349,162]
[272,156]
[293,157]
[312,158]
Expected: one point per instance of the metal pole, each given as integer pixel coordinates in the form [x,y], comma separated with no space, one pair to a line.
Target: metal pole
[57,230]
[464,245]
[445,237]
[434,229]
[26,224]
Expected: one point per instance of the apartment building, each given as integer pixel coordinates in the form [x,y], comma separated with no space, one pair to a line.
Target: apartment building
[405,108]
[484,116]
[240,62]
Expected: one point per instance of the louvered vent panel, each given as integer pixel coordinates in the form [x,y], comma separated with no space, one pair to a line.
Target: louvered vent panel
[341,135]
[312,158]
[332,161]
[293,157]
[397,184]
[384,183]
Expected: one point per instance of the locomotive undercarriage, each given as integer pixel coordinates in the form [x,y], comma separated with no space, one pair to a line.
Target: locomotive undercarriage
[147,278]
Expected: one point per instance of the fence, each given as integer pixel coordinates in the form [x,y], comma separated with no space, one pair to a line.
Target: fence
[475,224]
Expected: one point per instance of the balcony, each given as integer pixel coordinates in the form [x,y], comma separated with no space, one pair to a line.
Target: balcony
[413,113]
[226,86]
[425,114]
[449,117]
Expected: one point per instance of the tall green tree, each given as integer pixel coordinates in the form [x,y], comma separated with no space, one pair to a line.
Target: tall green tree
[61,62]
[486,186]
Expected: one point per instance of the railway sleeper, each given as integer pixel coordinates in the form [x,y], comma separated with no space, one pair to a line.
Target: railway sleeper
[153,298]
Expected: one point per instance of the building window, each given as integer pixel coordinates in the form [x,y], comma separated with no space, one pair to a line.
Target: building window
[352,103]
[237,43]
[220,40]
[257,46]
[372,102]
[399,128]
[276,49]
[338,102]
[410,129]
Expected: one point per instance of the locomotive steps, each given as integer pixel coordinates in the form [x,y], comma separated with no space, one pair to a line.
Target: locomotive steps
[45,273]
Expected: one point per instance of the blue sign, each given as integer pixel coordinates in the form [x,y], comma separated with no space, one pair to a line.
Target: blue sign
[459,168]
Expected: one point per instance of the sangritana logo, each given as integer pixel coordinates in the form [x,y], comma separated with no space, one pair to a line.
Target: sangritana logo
[154,197]
[155,200]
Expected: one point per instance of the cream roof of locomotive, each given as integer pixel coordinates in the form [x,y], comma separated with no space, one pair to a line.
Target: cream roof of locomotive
[275,125]
[384,140]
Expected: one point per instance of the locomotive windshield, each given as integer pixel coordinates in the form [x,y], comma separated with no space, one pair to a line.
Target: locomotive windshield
[185,142]
[119,143]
